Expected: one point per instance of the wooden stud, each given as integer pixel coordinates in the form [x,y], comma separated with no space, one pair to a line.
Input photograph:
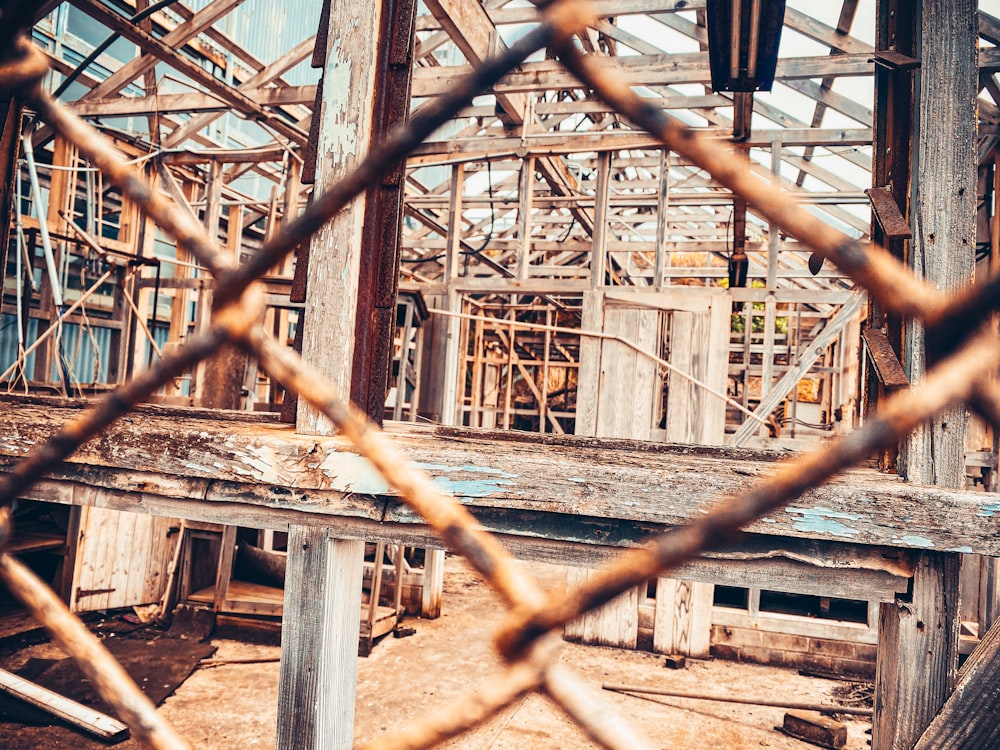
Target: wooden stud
[662,257]
[320,624]
[943,211]
[682,623]
[433,588]
[917,654]
[598,256]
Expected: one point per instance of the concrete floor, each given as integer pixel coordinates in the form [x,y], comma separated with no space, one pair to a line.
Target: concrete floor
[234,706]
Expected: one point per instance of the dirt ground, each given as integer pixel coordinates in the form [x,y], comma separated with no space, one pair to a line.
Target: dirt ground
[403,679]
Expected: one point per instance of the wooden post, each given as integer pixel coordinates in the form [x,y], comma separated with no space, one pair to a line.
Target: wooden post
[524,223]
[322,605]
[773,234]
[453,326]
[943,209]
[320,625]
[220,377]
[334,254]
[917,654]
[662,258]
[430,606]
[599,250]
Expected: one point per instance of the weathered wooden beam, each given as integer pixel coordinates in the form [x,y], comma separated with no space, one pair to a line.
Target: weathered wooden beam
[641,486]
[477,149]
[601,9]
[320,626]
[640,70]
[191,102]
[809,566]
[83,717]
[942,211]
[918,653]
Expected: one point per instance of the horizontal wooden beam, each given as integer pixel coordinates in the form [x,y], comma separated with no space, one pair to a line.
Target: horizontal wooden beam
[190,102]
[498,147]
[543,487]
[600,8]
[640,70]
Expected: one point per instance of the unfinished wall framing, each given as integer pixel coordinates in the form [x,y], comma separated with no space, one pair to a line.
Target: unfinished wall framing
[562,252]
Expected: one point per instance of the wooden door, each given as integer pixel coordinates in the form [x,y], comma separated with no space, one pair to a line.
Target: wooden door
[121,560]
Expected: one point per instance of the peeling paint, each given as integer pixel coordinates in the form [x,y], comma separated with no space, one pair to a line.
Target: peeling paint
[768,520]
[965,550]
[487,470]
[824,521]
[988,510]
[350,472]
[576,479]
[911,540]
[471,487]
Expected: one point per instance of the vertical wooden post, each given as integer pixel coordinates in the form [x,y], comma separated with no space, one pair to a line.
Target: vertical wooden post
[430,605]
[599,250]
[943,209]
[453,326]
[334,254]
[662,259]
[773,234]
[320,626]
[322,606]
[527,189]
[918,653]
[220,377]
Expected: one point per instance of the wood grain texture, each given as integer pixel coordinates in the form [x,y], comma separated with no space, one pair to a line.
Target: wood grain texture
[320,627]
[917,655]
[968,720]
[334,253]
[943,210]
[608,492]
[682,621]
[614,624]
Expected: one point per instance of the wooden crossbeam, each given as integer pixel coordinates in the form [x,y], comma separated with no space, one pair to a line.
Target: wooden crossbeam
[640,70]
[124,106]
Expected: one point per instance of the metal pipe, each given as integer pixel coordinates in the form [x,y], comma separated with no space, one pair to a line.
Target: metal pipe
[43,229]
[796,705]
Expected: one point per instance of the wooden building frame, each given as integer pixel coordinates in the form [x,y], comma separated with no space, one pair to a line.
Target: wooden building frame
[539,198]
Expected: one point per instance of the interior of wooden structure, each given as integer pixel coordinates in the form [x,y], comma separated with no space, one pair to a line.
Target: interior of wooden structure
[539,265]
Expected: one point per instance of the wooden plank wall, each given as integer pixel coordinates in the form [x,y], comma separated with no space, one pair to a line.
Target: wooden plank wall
[618,393]
[699,346]
[614,624]
[618,387]
[121,558]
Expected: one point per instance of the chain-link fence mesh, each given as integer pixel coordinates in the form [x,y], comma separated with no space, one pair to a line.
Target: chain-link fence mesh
[960,339]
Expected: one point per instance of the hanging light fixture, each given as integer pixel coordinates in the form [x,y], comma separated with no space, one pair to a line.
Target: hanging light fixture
[743,38]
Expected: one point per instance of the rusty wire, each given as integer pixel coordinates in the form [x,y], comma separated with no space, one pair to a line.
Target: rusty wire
[968,354]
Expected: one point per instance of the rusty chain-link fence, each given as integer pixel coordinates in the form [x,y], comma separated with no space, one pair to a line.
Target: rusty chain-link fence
[961,341]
